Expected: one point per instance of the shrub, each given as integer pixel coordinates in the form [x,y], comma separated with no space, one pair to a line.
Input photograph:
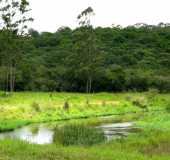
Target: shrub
[137,82]
[78,135]
[162,84]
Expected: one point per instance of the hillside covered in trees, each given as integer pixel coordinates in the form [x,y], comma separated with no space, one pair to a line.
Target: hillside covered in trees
[132,58]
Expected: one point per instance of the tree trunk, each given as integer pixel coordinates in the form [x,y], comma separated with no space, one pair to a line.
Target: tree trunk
[90,84]
[11,83]
[7,80]
[87,86]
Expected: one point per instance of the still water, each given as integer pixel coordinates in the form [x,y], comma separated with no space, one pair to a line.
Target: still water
[44,133]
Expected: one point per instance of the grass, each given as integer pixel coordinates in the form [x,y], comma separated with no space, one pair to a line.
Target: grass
[152,142]
[31,107]
[42,107]
[8,125]
[78,134]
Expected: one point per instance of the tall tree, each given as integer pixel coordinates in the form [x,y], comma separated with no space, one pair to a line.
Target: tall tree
[86,47]
[13,18]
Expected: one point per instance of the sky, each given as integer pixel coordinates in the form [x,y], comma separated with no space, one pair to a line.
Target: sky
[50,15]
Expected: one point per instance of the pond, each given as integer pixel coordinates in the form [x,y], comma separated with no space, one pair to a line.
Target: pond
[44,133]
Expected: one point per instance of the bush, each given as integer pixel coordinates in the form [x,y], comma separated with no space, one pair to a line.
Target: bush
[137,82]
[162,84]
[78,135]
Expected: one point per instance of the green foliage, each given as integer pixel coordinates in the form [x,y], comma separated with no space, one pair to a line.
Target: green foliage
[120,59]
[137,81]
[77,134]
[13,28]
[162,84]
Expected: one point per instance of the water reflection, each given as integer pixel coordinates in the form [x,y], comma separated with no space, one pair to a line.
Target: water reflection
[43,134]
[117,130]
[37,134]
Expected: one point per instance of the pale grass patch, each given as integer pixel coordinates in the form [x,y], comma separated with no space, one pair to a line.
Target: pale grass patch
[114,103]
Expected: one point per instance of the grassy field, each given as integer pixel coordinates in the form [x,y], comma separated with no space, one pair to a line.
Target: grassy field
[23,108]
[150,111]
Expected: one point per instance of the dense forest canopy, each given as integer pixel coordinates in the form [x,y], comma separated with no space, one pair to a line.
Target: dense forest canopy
[87,59]
[131,58]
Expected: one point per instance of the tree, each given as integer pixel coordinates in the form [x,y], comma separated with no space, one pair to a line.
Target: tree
[86,48]
[13,18]
[86,59]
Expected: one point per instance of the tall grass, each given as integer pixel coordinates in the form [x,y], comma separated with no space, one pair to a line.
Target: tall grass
[77,134]
[147,145]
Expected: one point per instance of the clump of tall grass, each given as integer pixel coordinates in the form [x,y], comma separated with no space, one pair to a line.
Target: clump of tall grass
[87,102]
[103,103]
[36,107]
[128,98]
[152,93]
[66,106]
[141,102]
[77,134]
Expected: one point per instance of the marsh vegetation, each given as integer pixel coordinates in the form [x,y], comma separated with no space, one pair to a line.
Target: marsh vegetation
[81,139]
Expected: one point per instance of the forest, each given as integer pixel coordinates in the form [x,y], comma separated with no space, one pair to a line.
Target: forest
[85,59]
[134,58]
